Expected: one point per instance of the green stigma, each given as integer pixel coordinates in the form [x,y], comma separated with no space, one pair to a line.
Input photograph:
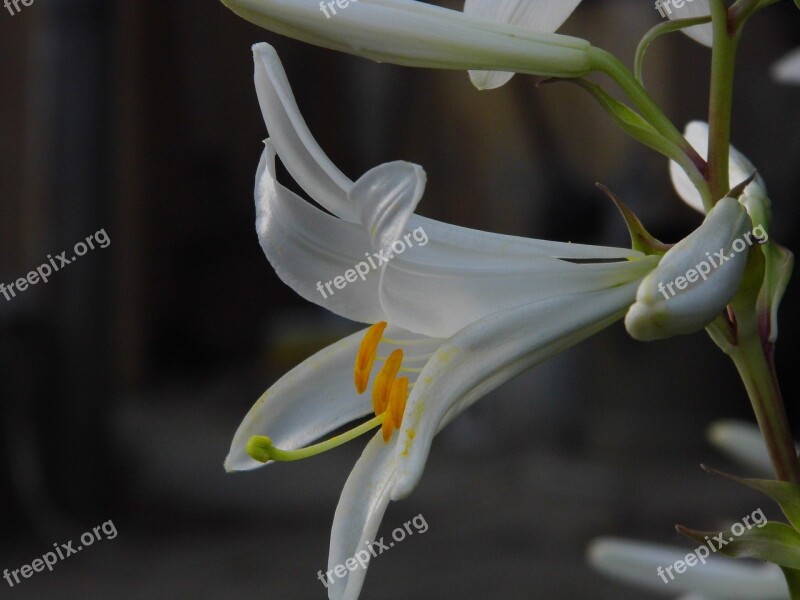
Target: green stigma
[261,449]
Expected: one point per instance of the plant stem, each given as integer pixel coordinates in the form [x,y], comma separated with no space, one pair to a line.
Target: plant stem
[754,361]
[723,67]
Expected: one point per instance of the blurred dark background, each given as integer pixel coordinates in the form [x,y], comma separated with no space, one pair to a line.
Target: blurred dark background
[124,377]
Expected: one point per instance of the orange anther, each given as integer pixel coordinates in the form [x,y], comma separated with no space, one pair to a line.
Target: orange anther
[367,352]
[384,380]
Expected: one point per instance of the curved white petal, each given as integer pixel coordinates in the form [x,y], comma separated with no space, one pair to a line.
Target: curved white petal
[298,149]
[720,578]
[742,442]
[740,168]
[534,15]
[787,69]
[692,284]
[489,353]
[358,515]
[690,9]
[452,242]
[309,249]
[441,299]
[387,196]
[419,34]
[313,399]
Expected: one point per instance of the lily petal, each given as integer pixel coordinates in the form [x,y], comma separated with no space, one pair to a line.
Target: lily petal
[387,197]
[411,33]
[310,401]
[534,15]
[442,298]
[299,151]
[787,69]
[314,398]
[308,248]
[741,168]
[359,513]
[487,354]
[660,311]
[720,578]
[703,34]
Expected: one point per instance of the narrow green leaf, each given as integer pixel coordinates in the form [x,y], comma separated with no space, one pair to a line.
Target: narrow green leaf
[641,239]
[792,577]
[780,263]
[786,494]
[774,542]
[631,122]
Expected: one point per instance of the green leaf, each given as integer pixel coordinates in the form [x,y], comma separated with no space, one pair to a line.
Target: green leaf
[631,122]
[774,542]
[780,263]
[792,575]
[641,240]
[786,494]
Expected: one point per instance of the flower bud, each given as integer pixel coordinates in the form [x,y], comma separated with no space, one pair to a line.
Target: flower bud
[696,278]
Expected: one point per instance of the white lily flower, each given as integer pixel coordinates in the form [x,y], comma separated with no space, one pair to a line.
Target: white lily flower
[787,69]
[740,168]
[479,309]
[690,9]
[743,443]
[534,15]
[696,278]
[407,32]
[720,578]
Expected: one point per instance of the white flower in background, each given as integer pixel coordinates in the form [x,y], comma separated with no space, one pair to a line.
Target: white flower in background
[695,279]
[534,15]
[690,9]
[418,34]
[740,168]
[787,69]
[451,320]
[720,578]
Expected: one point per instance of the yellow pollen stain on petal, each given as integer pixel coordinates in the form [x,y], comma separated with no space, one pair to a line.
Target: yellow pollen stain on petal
[367,352]
[384,381]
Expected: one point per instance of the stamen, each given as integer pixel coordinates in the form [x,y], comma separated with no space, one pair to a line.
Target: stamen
[384,380]
[260,447]
[397,406]
[367,352]
[397,401]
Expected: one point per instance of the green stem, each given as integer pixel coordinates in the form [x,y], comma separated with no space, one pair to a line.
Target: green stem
[755,364]
[694,165]
[723,67]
